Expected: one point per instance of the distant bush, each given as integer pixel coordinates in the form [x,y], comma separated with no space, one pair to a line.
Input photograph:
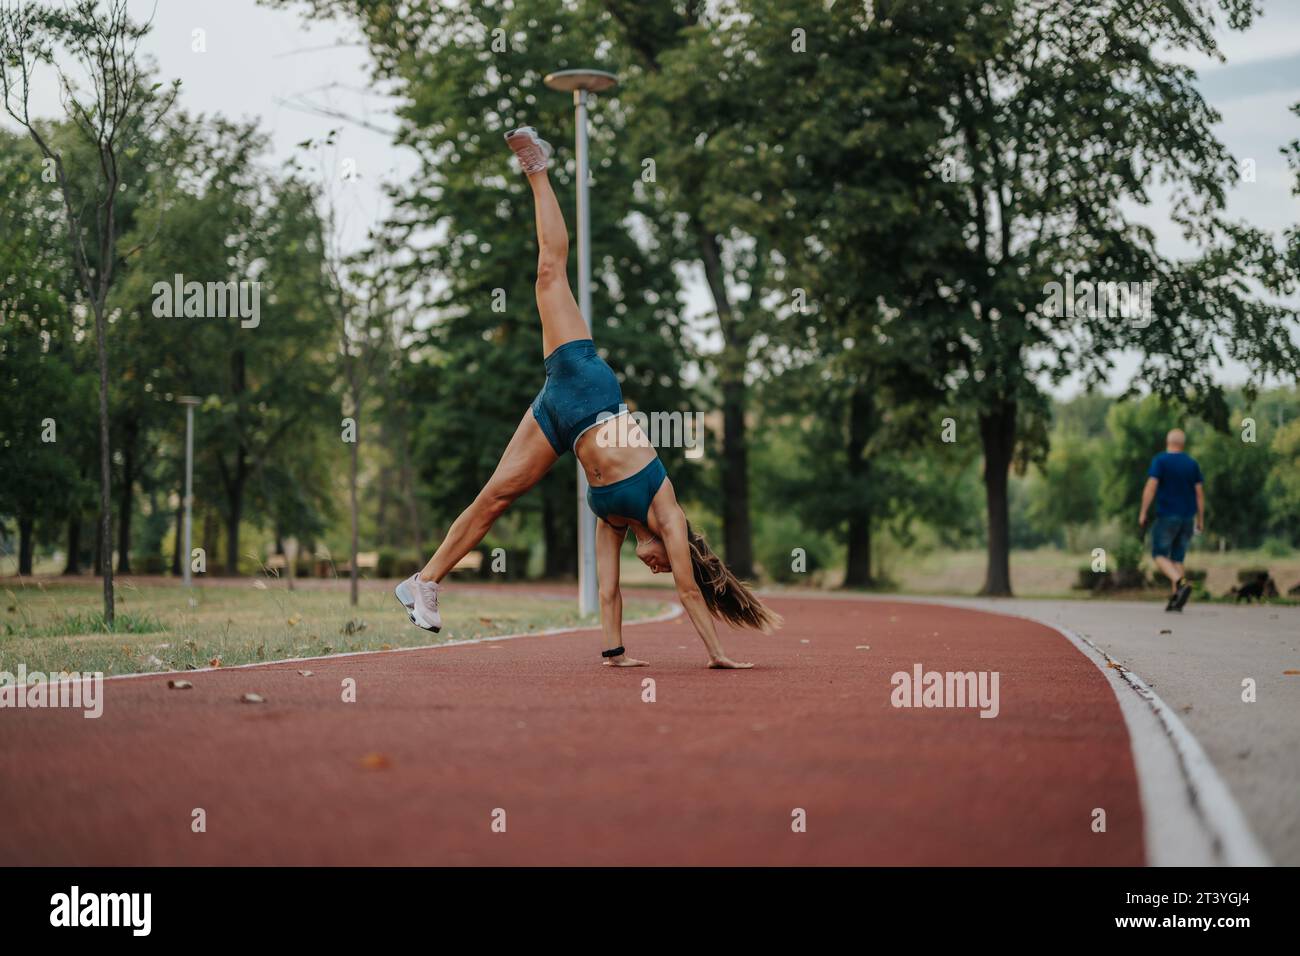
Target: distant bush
[778,536]
[1128,554]
[394,563]
[149,563]
[1276,547]
[1124,572]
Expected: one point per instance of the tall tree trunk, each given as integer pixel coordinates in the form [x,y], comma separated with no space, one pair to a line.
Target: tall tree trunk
[73,564]
[998,436]
[97,555]
[857,569]
[211,540]
[235,502]
[105,549]
[737,532]
[26,540]
[125,508]
[385,534]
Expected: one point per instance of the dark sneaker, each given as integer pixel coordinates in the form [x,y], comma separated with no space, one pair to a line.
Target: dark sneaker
[1172,603]
[1181,595]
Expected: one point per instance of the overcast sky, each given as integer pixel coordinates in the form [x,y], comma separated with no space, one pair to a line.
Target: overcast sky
[271,65]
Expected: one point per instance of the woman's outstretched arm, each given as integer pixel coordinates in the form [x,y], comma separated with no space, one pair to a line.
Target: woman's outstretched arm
[672,522]
[609,541]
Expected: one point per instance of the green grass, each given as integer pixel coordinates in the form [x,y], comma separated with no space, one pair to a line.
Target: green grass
[60,627]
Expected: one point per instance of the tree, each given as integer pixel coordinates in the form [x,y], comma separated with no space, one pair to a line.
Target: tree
[1061,119]
[1283,487]
[682,132]
[1067,496]
[1236,476]
[461,239]
[122,106]
[1137,431]
[821,142]
[230,225]
[37,372]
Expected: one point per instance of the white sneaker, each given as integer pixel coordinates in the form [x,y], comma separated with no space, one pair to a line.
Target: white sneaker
[531,151]
[420,598]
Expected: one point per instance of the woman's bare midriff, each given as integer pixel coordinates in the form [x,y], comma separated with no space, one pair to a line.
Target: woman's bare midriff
[613,450]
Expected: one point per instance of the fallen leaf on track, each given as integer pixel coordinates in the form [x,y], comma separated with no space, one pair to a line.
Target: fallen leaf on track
[306,673]
[1291,673]
[376,762]
[179,684]
[252,699]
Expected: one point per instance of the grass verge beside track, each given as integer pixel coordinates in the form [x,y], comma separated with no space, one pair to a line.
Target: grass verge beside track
[60,628]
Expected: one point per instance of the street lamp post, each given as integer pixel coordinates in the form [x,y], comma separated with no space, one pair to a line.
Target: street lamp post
[582,83]
[189,401]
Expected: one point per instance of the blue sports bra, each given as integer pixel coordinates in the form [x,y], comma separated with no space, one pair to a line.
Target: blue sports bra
[629,498]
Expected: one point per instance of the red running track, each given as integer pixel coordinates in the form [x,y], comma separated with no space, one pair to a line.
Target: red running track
[588,773]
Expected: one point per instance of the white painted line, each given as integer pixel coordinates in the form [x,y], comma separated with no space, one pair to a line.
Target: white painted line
[1190,817]
[1232,843]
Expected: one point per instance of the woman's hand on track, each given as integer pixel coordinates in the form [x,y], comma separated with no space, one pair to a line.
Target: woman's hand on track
[727,664]
[626,661]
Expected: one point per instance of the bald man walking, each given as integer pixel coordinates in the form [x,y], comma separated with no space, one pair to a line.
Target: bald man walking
[1174,482]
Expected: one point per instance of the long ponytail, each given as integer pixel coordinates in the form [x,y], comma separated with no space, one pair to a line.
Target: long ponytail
[727,597]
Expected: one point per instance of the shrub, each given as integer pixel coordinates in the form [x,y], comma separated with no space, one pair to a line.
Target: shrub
[398,564]
[779,535]
[149,563]
[1276,547]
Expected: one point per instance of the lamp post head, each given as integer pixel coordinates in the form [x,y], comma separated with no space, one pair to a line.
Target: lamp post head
[593,81]
[189,400]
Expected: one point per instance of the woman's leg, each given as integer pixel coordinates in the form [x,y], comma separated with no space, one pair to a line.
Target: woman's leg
[529,455]
[561,319]
[526,459]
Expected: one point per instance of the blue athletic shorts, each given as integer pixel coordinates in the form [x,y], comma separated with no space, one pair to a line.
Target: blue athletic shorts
[580,389]
[1170,537]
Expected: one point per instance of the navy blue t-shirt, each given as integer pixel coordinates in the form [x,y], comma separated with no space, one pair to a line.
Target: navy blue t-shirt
[1178,474]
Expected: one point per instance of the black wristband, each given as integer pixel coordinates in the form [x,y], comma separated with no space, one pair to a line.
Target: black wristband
[612,652]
